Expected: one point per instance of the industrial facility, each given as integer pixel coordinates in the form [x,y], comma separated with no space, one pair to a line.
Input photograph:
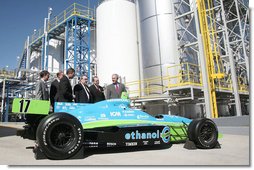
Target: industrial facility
[179,57]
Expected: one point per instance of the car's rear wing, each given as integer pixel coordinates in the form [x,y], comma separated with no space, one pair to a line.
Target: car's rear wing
[31,106]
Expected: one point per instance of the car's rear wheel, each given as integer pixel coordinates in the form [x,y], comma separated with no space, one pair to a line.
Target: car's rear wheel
[204,133]
[60,136]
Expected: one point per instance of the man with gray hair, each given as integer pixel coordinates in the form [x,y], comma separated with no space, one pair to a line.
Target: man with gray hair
[114,90]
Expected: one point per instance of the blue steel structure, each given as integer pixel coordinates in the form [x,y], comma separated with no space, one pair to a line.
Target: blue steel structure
[75,23]
[77,43]
[73,27]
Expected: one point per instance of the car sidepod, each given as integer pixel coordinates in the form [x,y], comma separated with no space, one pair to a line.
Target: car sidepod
[127,136]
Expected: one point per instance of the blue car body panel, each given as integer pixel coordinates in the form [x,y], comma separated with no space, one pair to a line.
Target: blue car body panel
[114,109]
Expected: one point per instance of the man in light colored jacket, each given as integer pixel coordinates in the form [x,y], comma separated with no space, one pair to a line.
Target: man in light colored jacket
[41,90]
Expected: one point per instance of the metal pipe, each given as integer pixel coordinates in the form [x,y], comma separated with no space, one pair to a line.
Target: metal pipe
[205,76]
[2,104]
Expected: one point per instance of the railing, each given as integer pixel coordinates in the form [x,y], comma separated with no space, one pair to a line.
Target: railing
[185,74]
[147,87]
[74,9]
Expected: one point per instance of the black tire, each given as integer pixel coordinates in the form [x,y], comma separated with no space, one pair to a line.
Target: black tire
[60,136]
[204,133]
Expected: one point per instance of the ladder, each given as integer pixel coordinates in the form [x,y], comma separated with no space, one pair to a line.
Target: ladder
[212,54]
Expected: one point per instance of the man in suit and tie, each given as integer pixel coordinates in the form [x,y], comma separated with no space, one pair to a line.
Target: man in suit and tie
[82,92]
[41,89]
[96,90]
[65,89]
[114,90]
[54,88]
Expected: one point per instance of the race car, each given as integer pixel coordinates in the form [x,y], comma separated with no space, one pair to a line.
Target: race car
[73,127]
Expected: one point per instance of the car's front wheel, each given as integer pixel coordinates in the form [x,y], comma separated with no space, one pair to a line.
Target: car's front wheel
[60,136]
[204,133]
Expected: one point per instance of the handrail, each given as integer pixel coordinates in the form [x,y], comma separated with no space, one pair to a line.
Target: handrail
[73,10]
[187,74]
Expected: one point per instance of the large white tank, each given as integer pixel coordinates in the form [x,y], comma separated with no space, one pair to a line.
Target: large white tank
[158,40]
[55,55]
[35,61]
[117,43]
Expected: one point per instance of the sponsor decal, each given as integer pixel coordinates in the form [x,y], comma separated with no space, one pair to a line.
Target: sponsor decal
[147,135]
[129,114]
[131,143]
[145,142]
[90,118]
[122,106]
[110,144]
[128,111]
[136,135]
[165,134]
[115,114]
[72,107]
[157,142]
[142,116]
[64,107]
[103,115]
[93,144]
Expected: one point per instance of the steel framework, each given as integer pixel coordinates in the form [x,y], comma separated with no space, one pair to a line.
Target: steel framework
[78,33]
[73,26]
[218,30]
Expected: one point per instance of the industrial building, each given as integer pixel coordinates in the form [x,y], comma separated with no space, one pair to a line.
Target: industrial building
[180,57]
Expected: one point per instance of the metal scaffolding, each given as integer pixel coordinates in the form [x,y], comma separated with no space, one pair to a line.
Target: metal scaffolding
[77,39]
[217,34]
[73,27]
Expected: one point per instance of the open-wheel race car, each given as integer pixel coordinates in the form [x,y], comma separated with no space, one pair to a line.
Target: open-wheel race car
[73,127]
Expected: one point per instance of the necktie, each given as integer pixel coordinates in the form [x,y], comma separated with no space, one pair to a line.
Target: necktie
[87,92]
[97,87]
[117,88]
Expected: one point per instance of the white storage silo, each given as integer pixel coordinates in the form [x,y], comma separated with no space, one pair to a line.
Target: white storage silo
[55,55]
[117,43]
[35,61]
[158,39]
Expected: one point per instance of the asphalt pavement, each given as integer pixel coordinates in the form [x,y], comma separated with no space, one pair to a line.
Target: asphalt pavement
[235,150]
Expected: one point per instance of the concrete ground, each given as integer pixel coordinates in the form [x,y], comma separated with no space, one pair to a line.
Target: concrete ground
[235,150]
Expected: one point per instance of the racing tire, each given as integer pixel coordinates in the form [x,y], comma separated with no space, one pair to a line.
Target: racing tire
[204,133]
[60,136]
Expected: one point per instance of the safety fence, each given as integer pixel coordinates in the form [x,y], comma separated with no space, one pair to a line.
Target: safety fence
[73,10]
[179,76]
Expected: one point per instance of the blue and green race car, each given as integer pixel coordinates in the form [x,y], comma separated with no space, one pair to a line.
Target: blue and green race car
[74,127]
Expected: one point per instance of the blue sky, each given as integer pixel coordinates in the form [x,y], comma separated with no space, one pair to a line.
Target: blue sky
[18,20]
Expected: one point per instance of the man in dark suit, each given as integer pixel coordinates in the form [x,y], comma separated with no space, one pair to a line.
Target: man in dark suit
[41,89]
[82,92]
[114,90]
[65,89]
[54,88]
[96,90]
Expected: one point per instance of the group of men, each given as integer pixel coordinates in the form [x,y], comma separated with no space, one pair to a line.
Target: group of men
[62,91]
